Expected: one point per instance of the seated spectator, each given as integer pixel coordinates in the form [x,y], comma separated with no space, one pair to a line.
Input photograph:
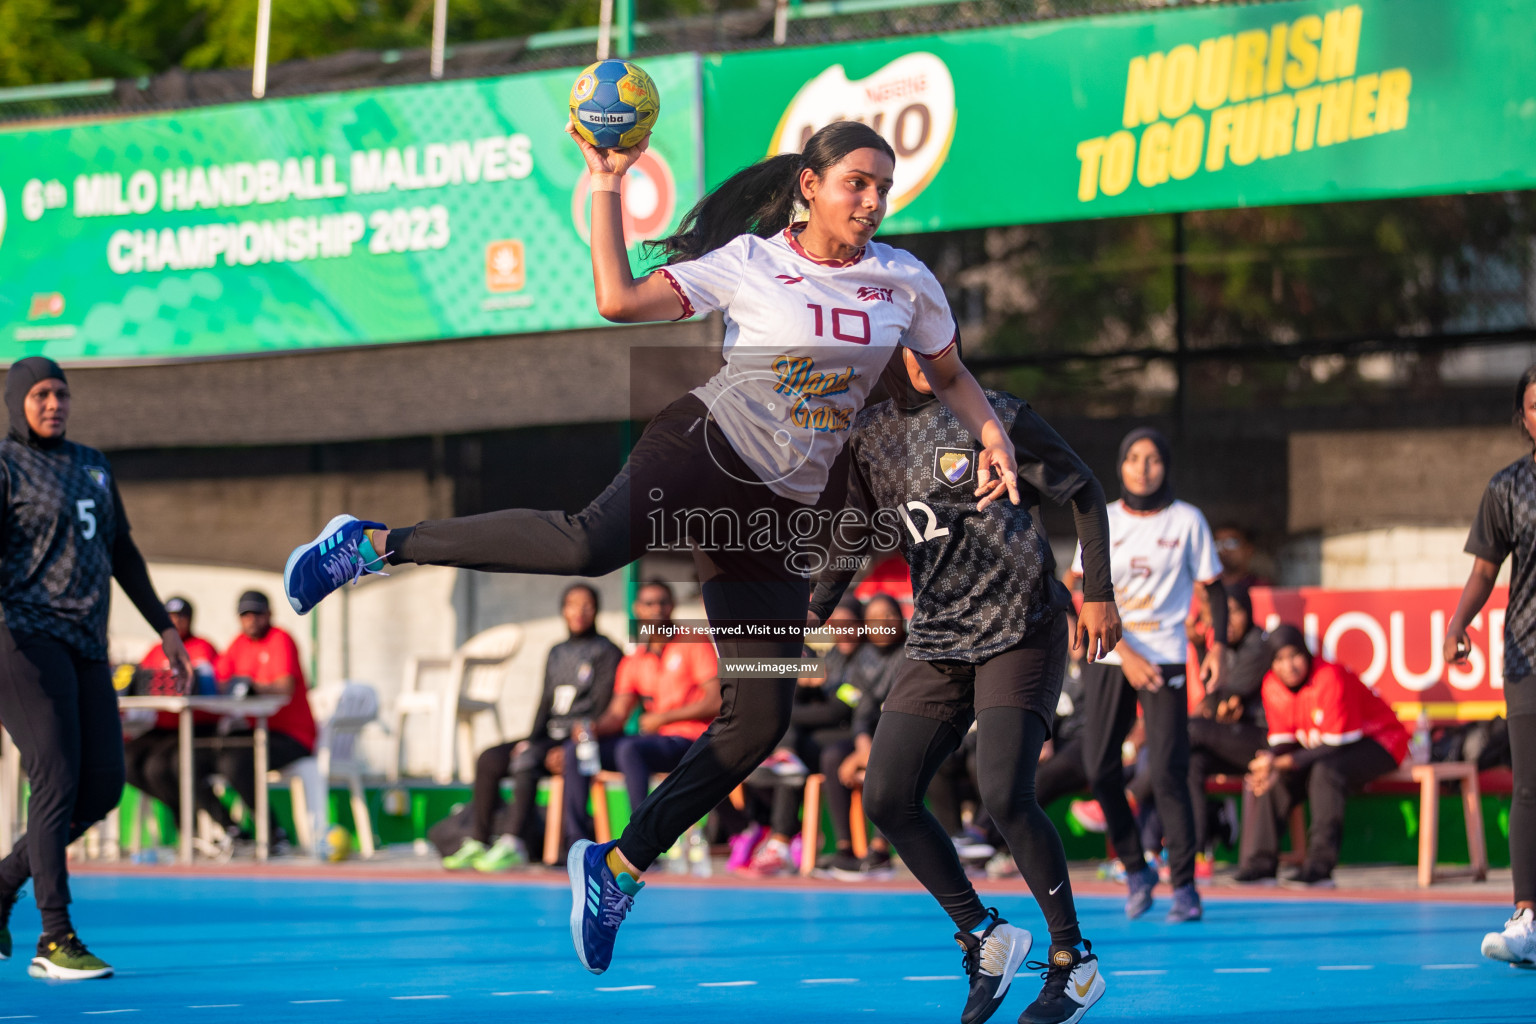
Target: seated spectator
[1328,734]
[578,684]
[150,759]
[676,687]
[822,716]
[843,763]
[267,657]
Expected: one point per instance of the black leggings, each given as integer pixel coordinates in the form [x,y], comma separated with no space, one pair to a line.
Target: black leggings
[683,486]
[1522,810]
[495,764]
[908,750]
[60,709]
[1109,710]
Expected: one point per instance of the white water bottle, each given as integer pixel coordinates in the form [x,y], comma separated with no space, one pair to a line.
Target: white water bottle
[1418,746]
[698,854]
[587,760]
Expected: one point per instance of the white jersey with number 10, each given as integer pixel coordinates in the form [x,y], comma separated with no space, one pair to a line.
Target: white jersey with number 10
[805,341]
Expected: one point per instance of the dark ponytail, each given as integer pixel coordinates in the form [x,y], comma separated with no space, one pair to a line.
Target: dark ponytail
[1526,380]
[761,199]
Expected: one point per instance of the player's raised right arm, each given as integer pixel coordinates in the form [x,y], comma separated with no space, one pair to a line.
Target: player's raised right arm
[620,297]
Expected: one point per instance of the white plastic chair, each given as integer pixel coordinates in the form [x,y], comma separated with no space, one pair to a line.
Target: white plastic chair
[335,759]
[452,692]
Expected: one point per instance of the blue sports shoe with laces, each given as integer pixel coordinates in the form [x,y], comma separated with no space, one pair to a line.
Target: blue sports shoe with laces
[341,554]
[599,902]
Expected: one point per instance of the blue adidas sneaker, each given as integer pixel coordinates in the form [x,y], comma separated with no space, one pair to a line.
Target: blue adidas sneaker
[599,903]
[341,554]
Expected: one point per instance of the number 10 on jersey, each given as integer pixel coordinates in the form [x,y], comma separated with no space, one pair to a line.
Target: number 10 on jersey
[844,323]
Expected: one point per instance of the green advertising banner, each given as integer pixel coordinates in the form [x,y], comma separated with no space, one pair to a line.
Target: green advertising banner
[1239,105]
[400,214]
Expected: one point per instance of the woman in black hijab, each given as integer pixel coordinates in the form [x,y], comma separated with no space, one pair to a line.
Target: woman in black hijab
[1161,547]
[63,539]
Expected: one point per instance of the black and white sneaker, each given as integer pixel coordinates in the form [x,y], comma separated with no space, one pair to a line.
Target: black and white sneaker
[1073,983]
[991,960]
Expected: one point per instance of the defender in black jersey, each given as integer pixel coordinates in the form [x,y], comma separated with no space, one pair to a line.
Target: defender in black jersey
[988,642]
[1505,527]
[63,538]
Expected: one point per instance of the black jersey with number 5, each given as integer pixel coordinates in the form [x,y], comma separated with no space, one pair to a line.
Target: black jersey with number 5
[981,580]
[58,537]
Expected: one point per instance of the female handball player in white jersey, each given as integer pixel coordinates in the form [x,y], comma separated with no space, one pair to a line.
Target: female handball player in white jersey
[1161,549]
[813,310]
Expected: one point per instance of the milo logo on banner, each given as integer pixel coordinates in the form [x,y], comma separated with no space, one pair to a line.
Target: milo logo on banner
[1263,94]
[910,101]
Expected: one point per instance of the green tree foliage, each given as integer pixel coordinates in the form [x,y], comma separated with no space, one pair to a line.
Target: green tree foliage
[44,41]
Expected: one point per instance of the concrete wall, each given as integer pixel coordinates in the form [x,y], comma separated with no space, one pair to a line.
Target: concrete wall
[1388,509]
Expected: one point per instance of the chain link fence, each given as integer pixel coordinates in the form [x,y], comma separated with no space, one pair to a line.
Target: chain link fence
[732,26]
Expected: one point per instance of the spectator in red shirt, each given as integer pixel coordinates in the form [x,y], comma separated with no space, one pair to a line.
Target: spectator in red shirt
[268,658]
[150,759]
[1328,734]
[676,686]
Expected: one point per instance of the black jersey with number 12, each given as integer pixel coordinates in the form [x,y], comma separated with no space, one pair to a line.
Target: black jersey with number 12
[981,580]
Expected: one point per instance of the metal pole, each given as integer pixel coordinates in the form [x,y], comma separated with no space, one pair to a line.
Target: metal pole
[604,28]
[780,22]
[1180,313]
[626,14]
[263,33]
[439,35]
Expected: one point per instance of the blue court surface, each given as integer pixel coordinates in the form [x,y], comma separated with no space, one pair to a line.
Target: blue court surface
[274,949]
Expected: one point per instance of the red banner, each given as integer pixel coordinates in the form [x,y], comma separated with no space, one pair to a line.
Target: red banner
[1395,639]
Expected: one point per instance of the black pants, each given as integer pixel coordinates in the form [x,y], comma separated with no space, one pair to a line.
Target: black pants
[1522,810]
[683,485]
[1109,710]
[526,769]
[1325,783]
[838,796]
[61,711]
[1217,748]
[789,794]
[238,766]
[153,765]
[1062,773]
[908,750]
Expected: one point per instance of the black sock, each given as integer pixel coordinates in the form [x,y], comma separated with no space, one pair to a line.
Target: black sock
[56,922]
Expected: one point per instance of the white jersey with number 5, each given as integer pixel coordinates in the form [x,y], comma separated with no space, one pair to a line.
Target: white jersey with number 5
[805,341]
[1155,561]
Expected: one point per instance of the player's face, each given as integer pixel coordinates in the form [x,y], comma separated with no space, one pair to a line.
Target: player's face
[1233,549]
[653,605]
[848,201]
[1527,411]
[1237,621]
[47,406]
[883,619]
[1291,665]
[579,611]
[846,624]
[1143,471]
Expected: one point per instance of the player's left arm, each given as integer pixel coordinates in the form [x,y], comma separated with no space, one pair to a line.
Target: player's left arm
[132,573]
[620,298]
[953,384]
[1049,465]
